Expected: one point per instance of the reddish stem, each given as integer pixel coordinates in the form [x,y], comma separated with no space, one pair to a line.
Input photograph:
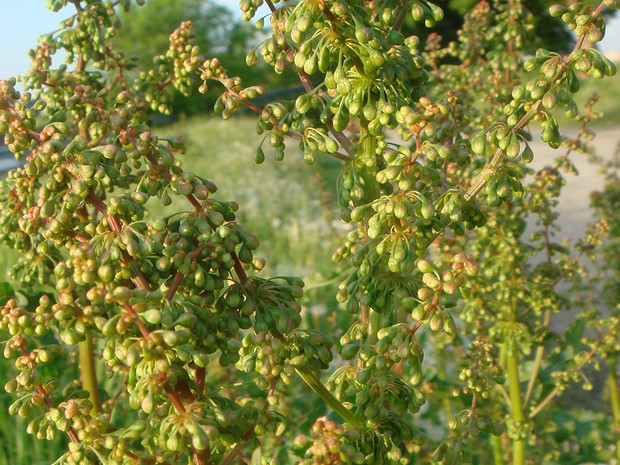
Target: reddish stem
[102,208]
[70,432]
[178,278]
[201,374]
[172,394]
[141,326]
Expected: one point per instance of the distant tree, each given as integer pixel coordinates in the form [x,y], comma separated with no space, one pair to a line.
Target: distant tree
[549,32]
[146,31]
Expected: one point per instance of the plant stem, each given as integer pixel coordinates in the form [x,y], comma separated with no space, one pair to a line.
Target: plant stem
[315,384]
[512,366]
[374,324]
[366,153]
[88,373]
[614,395]
[540,352]
[498,456]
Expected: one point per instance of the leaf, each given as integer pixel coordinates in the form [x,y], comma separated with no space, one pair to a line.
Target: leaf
[257,456]
[6,292]
[5,289]
[575,332]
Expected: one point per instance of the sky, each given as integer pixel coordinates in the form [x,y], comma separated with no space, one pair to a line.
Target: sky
[22,21]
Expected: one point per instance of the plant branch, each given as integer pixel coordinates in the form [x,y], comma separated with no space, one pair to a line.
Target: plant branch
[614,396]
[48,402]
[86,351]
[481,180]
[402,14]
[293,134]
[315,384]
[235,450]
[556,390]
[343,140]
[514,387]
[540,352]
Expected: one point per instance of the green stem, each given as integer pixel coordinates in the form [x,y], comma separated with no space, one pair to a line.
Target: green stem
[374,324]
[498,453]
[614,395]
[367,154]
[315,384]
[540,352]
[516,404]
[88,374]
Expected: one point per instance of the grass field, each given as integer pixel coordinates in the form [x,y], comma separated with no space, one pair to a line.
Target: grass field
[609,90]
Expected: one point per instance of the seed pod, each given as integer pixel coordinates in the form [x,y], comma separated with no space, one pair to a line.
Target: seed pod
[363,376]
[106,273]
[302,104]
[417,11]
[436,323]
[311,65]
[513,148]
[341,120]
[425,267]
[349,351]
[200,440]
[478,143]
[259,156]
[343,86]
[324,59]
[527,155]
[427,210]
[299,361]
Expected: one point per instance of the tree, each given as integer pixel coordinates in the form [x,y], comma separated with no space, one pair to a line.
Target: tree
[217,33]
[146,30]
[548,32]
[209,361]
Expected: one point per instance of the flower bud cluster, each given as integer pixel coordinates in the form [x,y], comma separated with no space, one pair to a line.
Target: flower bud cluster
[329,442]
[478,370]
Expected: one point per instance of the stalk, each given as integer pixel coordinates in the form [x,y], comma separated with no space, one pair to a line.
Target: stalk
[498,453]
[614,395]
[516,404]
[374,325]
[315,384]
[88,374]
[367,153]
[538,359]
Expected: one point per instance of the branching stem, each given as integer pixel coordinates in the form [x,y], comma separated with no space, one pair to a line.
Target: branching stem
[86,351]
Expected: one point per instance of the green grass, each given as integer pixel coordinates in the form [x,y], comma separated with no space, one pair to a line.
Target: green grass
[7,258]
[609,90]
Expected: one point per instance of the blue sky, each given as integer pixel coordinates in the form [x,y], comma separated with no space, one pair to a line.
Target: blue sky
[22,21]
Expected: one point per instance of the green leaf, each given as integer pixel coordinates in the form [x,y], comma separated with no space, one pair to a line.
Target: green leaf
[6,289]
[257,456]
[575,332]
[6,292]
